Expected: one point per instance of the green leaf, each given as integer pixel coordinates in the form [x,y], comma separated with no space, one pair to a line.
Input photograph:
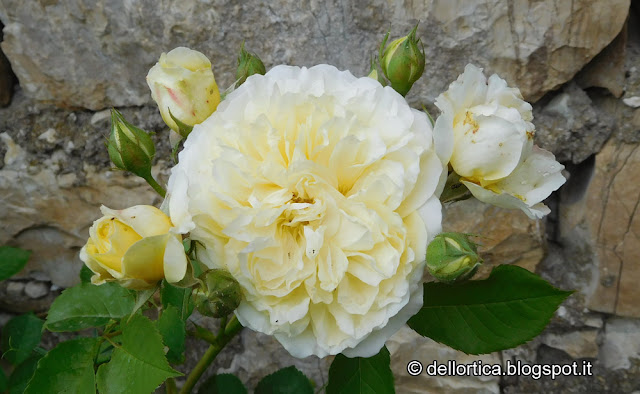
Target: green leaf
[222,384]
[142,296]
[12,261]
[86,305]
[172,328]
[20,336]
[85,274]
[139,364]
[178,297]
[22,374]
[68,368]
[285,381]
[508,309]
[104,352]
[361,375]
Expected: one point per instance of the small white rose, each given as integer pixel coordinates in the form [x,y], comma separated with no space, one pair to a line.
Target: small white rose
[492,148]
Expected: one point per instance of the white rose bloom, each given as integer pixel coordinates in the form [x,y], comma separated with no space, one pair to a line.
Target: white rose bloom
[492,148]
[318,191]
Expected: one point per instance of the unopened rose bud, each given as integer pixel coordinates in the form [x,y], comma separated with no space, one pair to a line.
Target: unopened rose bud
[219,293]
[183,86]
[452,257]
[402,62]
[130,148]
[248,64]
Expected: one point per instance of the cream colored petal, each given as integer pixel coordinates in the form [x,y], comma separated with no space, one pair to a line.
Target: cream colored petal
[175,260]
[146,220]
[372,343]
[467,91]
[186,58]
[178,196]
[443,136]
[506,200]
[488,149]
[101,274]
[536,178]
[426,185]
[145,259]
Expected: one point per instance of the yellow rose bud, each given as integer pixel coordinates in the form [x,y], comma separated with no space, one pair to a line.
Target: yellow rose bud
[134,247]
[183,86]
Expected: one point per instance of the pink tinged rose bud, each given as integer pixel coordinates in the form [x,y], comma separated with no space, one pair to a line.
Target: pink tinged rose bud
[134,247]
[183,86]
[492,149]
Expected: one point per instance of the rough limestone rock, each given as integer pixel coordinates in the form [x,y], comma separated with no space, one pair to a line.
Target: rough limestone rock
[507,236]
[614,223]
[6,80]
[577,344]
[54,175]
[406,345]
[55,48]
[571,126]
[621,343]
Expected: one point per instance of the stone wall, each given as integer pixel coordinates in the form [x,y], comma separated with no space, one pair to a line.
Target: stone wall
[578,61]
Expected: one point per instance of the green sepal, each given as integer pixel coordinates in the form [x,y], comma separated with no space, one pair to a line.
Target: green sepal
[183,129]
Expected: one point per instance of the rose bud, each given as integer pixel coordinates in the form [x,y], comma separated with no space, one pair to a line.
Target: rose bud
[183,86]
[134,247]
[493,151]
[403,61]
[130,148]
[219,293]
[452,257]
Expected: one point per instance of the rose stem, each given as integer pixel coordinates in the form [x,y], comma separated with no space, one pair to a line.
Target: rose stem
[222,339]
[170,386]
[155,185]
